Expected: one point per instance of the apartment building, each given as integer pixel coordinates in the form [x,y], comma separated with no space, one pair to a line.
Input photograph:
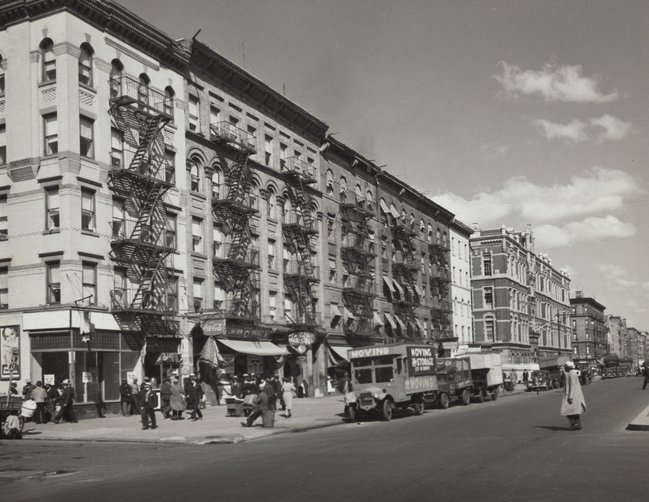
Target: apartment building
[589,331]
[520,301]
[89,122]
[616,327]
[461,282]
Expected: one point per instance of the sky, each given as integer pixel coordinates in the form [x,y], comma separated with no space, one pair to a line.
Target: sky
[506,112]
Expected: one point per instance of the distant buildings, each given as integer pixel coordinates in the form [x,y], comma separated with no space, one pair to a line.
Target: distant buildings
[520,301]
[461,282]
[589,330]
[616,335]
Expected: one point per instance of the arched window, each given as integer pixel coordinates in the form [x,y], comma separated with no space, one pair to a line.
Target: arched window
[116,68]
[343,189]
[48,60]
[85,64]
[369,199]
[286,210]
[253,195]
[143,89]
[329,180]
[169,102]
[194,175]
[271,205]
[217,181]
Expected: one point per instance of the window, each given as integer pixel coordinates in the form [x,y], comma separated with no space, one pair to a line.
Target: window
[4,288]
[85,65]
[168,105]
[252,137]
[87,210]
[332,270]
[271,254]
[49,61]
[271,205]
[192,114]
[170,166]
[214,115]
[329,177]
[172,294]
[283,148]
[489,330]
[272,305]
[170,231]
[116,68]
[268,150]
[197,235]
[217,242]
[216,184]
[119,220]
[331,229]
[51,134]
[53,277]
[89,281]
[52,208]
[3,144]
[198,294]
[86,143]
[116,148]
[489,297]
[143,89]
[486,265]
[219,297]
[194,176]
[3,217]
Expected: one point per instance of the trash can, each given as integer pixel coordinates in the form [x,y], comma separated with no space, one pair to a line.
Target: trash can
[268,418]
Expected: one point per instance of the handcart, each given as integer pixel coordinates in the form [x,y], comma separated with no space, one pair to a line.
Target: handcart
[11,418]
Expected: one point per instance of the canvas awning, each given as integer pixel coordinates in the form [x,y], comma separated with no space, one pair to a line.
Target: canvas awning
[394,212]
[257,348]
[402,325]
[390,320]
[340,351]
[384,206]
[348,314]
[399,287]
[418,290]
[377,319]
[389,283]
[335,311]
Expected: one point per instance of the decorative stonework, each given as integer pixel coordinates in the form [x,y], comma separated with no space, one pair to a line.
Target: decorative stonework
[48,96]
[86,99]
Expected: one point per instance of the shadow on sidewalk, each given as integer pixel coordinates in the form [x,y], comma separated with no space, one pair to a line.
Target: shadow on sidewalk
[552,427]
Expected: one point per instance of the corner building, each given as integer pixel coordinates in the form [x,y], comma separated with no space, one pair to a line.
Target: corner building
[520,301]
[89,130]
[589,331]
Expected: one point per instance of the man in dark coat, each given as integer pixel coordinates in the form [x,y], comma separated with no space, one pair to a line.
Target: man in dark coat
[261,405]
[645,374]
[39,394]
[235,388]
[147,405]
[269,389]
[165,398]
[67,401]
[277,386]
[194,393]
[125,397]
[27,389]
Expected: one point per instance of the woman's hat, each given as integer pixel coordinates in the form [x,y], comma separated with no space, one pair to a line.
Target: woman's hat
[569,364]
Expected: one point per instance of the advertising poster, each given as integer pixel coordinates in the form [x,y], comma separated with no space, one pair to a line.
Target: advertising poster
[10,352]
[421,360]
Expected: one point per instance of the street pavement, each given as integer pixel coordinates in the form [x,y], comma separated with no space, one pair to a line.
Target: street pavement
[216,427]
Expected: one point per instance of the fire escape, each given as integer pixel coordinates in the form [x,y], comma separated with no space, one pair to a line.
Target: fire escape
[138,177]
[404,272]
[299,230]
[440,279]
[235,262]
[358,252]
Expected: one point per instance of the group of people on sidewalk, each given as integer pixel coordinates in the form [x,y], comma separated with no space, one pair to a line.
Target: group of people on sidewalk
[174,400]
[268,392]
[53,402]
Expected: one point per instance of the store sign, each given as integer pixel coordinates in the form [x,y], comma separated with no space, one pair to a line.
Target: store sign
[86,377]
[48,379]
[213,327]
[254,332]
[421,360]
[303,338]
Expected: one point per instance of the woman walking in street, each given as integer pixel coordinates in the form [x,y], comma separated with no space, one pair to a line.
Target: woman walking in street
[287,395]
[573,404]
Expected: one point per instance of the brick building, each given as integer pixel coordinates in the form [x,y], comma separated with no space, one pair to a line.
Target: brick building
[589,331]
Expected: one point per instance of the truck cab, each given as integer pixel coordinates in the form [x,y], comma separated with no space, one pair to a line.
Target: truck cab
[454,381]
[389,376]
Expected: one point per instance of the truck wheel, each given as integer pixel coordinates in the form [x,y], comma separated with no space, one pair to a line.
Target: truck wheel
[443,400]
[387,410]
[466,397]
[480,396]
[419,408]
[351,413]
[494,394]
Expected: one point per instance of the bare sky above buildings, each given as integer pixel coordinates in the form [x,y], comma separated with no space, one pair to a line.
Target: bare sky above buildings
[505,112]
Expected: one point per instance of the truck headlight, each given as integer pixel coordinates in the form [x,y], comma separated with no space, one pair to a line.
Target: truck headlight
[376,395]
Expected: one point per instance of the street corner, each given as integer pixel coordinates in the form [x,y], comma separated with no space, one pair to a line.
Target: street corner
[641,422]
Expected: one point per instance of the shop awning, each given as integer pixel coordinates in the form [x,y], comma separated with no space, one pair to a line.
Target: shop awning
[389,283]
[348,314]
[390,320]
[261,348]
[419,291]
[377,319]
[402,325]
[340,351]
[335,311]
[421,325]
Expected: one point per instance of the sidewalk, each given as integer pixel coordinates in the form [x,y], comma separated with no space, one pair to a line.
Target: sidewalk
[641,422]
[215,427]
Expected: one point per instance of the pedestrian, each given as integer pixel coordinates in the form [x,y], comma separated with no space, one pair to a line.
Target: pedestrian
[573,403]
[645,374]
[277,386]
[248,385]
[177,400]
[288,388]
[67,404]
[125,397]
[27,389]
[194,397]
[39,394]
[165,398]
[135,397]
[269,388]
[526,377]
[235,388]
[147,406]
[261,405]
[51,399]
[345,384]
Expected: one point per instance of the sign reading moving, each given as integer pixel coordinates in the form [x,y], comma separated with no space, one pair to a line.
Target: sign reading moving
[421,360]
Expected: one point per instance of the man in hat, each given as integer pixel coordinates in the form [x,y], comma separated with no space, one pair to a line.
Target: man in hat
[235,387]
[67,401]
[165,398]
[573,403]
[147,404]
[194,396]
[27,389]
[125,397]
[261,405]
[39,394]
[248,385]
[135,395]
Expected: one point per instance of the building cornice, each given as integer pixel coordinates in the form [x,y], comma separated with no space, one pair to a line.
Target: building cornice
[107,16]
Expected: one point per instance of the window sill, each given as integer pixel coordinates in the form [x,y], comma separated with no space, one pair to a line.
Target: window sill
[91,233]
[52,231]
[196,254]
[47,82]
[87,87]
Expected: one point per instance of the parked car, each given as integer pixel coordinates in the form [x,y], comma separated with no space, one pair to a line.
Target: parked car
[539,380]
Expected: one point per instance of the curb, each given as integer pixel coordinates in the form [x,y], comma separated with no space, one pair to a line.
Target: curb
[641,422]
